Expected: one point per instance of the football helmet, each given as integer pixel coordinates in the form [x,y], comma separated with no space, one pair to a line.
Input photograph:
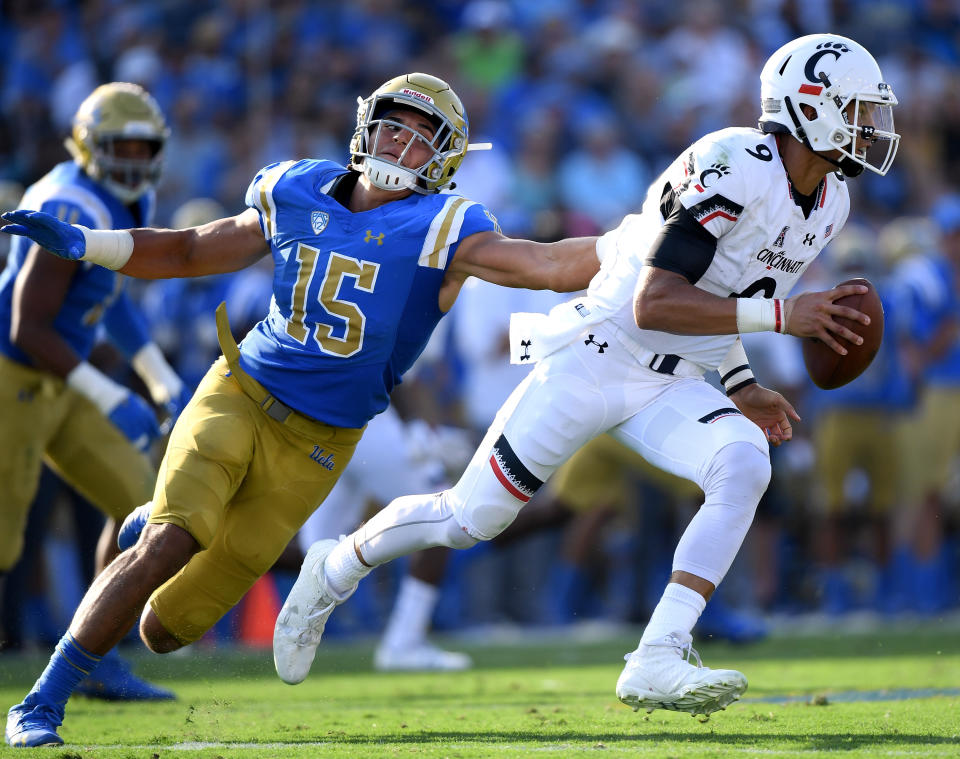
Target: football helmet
[424,93]
[114,112]
[852,107]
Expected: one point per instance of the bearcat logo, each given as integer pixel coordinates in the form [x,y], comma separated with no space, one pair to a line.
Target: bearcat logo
[836,49]
[716,171]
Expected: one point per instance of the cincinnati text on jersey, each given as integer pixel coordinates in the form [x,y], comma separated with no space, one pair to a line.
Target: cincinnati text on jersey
[776,260]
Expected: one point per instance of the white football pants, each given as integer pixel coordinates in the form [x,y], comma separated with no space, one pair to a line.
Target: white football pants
[680,424]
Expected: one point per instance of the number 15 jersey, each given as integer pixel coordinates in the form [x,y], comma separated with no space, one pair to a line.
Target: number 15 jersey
[355,295]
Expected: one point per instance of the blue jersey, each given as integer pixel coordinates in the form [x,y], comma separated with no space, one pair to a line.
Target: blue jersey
[934,313]
[355,295]
[885,384]
[95,293]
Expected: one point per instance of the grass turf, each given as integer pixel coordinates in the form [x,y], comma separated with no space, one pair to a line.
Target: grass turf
[808,696]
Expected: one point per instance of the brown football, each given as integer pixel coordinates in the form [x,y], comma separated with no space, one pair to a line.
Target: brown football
[827,368]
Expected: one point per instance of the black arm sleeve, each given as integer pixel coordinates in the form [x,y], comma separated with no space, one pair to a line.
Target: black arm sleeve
[683,246]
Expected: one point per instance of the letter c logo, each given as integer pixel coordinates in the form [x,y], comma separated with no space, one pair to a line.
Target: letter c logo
[813,60]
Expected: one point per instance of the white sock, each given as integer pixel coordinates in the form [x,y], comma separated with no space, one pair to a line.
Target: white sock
[343,569]
[410,618]
[678,611]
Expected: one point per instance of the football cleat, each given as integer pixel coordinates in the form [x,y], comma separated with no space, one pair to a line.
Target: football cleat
[113,680]
[659,675]
[32,724]
[304,615]
[133,525]
[421,657]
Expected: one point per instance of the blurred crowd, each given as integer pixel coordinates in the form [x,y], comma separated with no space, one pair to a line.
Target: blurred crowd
[585,102]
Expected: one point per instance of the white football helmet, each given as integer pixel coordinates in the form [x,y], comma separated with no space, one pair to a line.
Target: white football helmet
[425,93]
[112,112]
[852,107]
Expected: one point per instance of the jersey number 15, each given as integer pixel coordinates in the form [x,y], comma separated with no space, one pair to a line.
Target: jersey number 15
[364,274]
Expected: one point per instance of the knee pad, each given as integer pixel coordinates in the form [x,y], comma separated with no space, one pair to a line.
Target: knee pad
[738,477]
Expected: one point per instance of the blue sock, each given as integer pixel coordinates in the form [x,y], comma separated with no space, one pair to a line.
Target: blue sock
[69,664]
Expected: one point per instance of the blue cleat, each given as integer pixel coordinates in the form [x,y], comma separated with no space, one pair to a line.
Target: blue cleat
[133,525]
[725,623]
[30,725]
[114,681]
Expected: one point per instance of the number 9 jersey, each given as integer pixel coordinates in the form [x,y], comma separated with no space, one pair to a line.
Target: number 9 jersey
[731,184]
[355,295]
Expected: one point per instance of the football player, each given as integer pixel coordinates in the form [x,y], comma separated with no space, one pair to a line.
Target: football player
[58,408]
[739,214]
[367,259]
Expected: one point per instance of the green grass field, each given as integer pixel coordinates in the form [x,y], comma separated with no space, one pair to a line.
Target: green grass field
[879,695]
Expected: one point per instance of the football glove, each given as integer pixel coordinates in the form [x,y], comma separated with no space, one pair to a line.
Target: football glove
[135,419]
[60,238]
[165,386]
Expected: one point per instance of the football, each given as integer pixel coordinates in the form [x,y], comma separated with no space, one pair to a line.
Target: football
[827,368]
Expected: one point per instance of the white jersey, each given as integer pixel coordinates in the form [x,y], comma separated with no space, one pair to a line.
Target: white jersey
[734,184]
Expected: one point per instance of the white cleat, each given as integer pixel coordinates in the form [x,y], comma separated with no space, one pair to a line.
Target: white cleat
[659,675]
[303,616]
[420,657]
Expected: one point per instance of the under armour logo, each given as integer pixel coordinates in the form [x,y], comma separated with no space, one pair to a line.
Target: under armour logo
[591,341]
[808,239]
[371,236]
[525,344]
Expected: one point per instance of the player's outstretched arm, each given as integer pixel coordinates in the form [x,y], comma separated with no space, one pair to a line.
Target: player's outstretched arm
[563,266]
[221,246]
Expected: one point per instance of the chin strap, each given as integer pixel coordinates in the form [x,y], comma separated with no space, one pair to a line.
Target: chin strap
[846,165]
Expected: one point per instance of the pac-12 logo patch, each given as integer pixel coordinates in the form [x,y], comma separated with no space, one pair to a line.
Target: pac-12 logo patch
[318,220]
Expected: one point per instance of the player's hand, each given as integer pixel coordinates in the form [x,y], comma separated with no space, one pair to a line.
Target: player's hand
[769,410]
[136,419]
[813,315]
[60,238]
[178,402]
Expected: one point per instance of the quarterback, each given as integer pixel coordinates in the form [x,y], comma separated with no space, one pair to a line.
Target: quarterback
[723,236]
[367,259]
[57,407]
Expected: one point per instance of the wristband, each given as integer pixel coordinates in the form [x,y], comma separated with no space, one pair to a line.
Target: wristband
[159,377]
[105,394]
[760,315]
[735,372]
[110,248]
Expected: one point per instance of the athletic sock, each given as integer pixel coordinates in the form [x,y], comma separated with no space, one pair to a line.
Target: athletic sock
[411,615]
[343,568]
[678,611]
[69,664]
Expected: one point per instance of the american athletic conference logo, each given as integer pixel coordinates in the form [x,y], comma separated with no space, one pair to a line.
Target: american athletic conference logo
[319,220]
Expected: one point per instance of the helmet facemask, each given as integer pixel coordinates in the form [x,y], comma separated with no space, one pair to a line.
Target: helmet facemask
[126,178]
[113,114]
[826,91]
[447,146]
